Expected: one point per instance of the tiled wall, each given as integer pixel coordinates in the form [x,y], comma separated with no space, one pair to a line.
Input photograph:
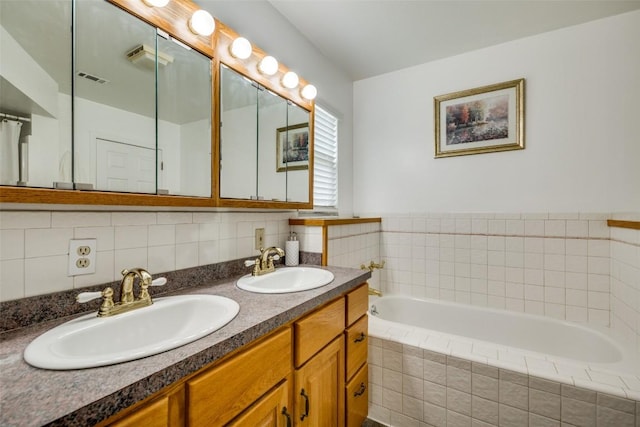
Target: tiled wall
[556,265]
[412,387]
[34,245]
[352,245]
[625,283]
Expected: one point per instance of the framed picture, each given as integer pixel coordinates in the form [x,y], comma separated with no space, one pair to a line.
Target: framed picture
[481,120]
[292,147]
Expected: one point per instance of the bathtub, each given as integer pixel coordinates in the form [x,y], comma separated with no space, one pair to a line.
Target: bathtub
[563,352]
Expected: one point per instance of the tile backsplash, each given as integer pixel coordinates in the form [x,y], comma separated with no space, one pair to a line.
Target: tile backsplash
[34,245]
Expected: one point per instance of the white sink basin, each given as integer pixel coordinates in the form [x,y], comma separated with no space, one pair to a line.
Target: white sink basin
[91,341]
[286,279]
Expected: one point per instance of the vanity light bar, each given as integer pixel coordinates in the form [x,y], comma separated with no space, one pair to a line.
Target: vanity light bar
[268,65]
[290,80]
[202,23]
[241,48]
[309,92]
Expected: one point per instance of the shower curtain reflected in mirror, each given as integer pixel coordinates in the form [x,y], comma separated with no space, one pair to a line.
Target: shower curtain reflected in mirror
[9,152]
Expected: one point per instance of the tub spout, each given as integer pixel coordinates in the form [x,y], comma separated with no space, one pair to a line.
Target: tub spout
[375,292]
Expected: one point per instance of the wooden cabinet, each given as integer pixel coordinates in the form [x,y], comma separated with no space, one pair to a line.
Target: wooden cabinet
[224,391]
[273,410]
[165,410]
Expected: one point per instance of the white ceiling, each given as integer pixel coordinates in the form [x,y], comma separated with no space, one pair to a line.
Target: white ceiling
[370,37]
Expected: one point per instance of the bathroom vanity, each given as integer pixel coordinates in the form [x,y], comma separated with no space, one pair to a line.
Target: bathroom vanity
[296,359]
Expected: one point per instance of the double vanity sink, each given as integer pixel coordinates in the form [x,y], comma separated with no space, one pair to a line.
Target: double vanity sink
[170,322]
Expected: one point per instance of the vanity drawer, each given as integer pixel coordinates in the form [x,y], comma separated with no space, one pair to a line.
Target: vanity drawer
[357,303]
[316,330]
[357,398]
[221,393]
[357,345]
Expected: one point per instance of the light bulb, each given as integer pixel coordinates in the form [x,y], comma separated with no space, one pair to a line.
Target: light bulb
[202,23]
[241,48]
[268,65]
[309,92]
[156,3]
[290,80]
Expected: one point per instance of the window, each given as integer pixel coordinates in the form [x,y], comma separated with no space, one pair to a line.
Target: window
[325,161]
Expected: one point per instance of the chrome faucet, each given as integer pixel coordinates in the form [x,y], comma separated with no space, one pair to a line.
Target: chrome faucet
[264,263]
[127,301]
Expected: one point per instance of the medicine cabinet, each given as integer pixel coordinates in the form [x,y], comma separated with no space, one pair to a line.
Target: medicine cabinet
[122,106]
[265,144]
[115,106]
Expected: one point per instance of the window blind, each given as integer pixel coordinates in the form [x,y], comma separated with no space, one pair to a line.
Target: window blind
[325,161]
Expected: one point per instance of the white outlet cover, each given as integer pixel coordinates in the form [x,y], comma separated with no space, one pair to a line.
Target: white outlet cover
[74,244]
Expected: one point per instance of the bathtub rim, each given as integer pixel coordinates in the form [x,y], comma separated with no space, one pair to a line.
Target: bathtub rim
[628,368]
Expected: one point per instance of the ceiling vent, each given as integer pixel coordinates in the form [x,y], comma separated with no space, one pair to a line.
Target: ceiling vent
[145,55]
[92,77]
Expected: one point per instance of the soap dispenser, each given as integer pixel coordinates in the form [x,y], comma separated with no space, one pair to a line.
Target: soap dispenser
[292,250]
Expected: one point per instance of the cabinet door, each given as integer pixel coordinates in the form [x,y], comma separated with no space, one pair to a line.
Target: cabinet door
[273,410]
[165,411]
[357,398]
[218,395]
[319,392]
[357,303]
[314,331]
[356,346]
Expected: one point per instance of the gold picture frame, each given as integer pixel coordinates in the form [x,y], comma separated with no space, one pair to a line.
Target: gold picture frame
[292,147]
[482,120]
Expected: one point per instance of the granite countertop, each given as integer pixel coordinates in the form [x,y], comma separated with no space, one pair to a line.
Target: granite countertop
[32,397]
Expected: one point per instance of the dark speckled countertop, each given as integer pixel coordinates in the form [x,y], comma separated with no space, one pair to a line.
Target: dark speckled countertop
[32,397]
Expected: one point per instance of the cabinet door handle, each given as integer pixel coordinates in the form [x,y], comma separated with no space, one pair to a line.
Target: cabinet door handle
[306,405]
[287,416]
[360,337]
[360,391]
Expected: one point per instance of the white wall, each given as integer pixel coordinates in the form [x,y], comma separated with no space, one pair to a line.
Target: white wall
[581,132]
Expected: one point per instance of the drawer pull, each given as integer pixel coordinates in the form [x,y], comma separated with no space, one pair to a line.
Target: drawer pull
[286,414]
[306,405]
[360,391]
[360,337]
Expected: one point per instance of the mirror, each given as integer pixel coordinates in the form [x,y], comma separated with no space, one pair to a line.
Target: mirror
[135,129]
[238,147]
[35,88]
[124,68]
[264,143]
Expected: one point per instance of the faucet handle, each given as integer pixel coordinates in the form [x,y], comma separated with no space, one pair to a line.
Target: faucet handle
[160,281]
[249,262]
[84,297]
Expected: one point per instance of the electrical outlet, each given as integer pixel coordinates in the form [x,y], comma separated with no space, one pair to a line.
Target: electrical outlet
[84,250]
[82,257]
[259,238]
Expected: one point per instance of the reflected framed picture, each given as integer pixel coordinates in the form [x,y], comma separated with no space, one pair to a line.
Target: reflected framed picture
[292,147]
[482,120]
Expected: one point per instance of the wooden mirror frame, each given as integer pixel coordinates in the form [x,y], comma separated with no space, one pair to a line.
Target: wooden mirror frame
[173,19]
